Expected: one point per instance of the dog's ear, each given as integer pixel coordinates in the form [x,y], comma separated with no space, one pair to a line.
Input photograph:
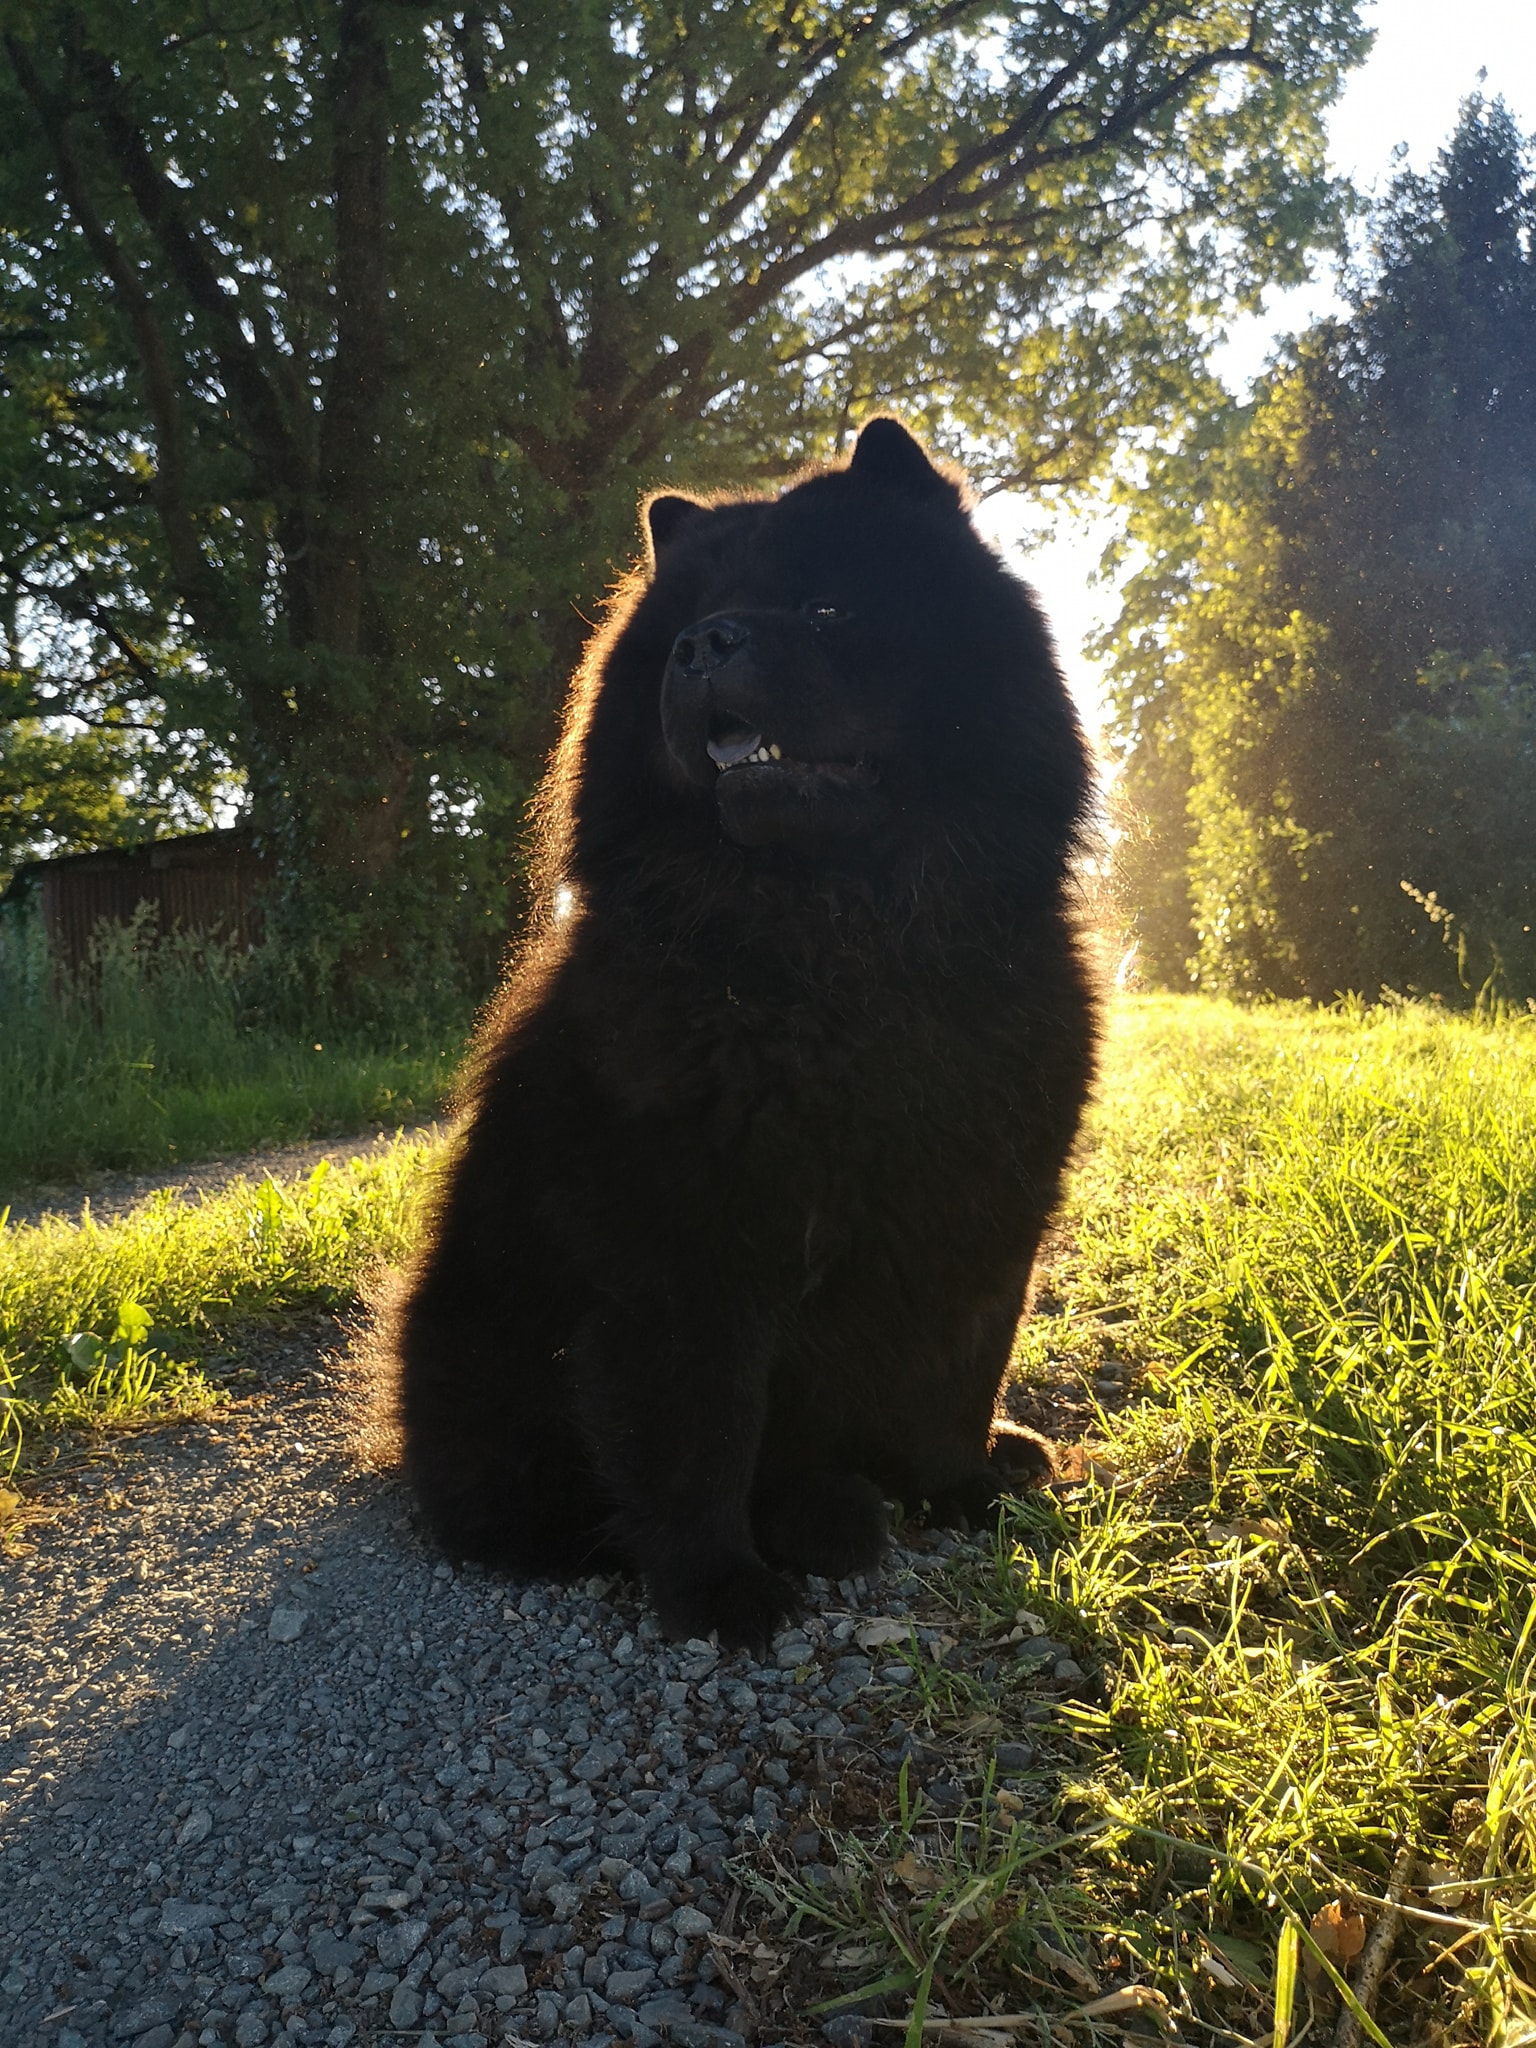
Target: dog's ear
[665,517]
[887,458]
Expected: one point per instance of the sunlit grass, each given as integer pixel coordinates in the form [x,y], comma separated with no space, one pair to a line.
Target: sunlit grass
[104,1322]
[1306,1573]
[1311,1588]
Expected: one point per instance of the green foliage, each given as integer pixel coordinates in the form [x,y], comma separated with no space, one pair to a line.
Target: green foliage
[342,342]
[89,653]
[154,1057]
[1324,675]
[1306,1566]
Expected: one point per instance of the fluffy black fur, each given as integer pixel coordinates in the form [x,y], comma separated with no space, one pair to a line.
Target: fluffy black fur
[763,1135]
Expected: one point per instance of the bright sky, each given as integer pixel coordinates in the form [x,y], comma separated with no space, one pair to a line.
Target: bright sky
[1426,60]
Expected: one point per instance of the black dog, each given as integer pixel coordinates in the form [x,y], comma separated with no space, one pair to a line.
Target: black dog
[763,1135]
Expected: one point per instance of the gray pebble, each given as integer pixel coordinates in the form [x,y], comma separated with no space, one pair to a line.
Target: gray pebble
[399,1943]
[147,2014]
[287,1624]
[848,2030]
[329,1955]
[625,1986]
[183,1916]
[405,2006]
[291,1981]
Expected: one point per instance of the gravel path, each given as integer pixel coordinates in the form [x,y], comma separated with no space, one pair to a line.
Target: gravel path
[110,1194]
[273,1773]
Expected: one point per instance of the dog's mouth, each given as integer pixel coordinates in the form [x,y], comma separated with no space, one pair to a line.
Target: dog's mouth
[734,744]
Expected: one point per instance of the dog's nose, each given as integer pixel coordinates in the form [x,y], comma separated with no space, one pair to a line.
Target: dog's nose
[709,643]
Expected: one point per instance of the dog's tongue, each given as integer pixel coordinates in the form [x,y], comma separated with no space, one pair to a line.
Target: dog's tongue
[726,753]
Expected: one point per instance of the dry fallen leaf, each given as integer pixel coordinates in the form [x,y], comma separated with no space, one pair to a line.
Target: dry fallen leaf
[874,1635]
[1443,1886]
[1266,1526]
[1007,1802]
[978,1725]
[1131,1998]
[915,1874]
[1340,1934]
[938,1646]
[10,1505]
[1218,1973]
[1069,1967]
[1033,1622]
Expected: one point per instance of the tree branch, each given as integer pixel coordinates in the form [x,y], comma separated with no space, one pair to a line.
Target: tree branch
[161,384]
[349,436]
[76,602]
[161,207]
[873,233]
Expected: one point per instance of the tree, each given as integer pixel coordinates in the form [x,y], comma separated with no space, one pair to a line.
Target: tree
[1325,673]
[87,638]
[408,305]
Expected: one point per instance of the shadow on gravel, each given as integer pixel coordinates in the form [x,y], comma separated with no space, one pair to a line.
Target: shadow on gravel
[272,1769]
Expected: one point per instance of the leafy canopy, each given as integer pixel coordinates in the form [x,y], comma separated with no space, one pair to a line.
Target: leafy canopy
[368,324]
[1326,674]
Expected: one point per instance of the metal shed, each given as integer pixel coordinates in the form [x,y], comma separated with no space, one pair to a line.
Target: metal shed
[212,882]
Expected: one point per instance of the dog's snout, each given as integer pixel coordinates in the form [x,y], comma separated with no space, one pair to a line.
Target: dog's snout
[708,644]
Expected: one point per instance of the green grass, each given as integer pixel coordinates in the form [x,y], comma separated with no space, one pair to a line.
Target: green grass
[1306,1572]
[153,1059]
[1311,1237]
[115,1322]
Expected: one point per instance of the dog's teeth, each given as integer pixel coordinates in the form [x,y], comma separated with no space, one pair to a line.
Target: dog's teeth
[777,753]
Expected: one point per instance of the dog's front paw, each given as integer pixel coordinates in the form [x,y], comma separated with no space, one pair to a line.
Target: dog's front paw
[745,1604]
[832,1523]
